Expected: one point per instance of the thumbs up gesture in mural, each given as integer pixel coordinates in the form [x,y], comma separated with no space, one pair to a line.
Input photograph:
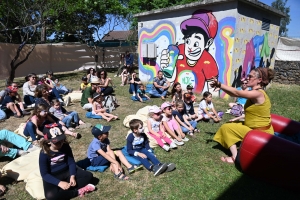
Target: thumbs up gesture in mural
[168,61]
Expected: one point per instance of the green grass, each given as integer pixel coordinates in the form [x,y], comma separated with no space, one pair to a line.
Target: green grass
[199,175]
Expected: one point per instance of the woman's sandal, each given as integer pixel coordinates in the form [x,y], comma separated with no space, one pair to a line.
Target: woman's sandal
[119,177]
[229,160]
[134,168]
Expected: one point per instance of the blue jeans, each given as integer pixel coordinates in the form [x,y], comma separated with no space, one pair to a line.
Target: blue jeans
[158,92]
[30,130]
[133,87]
[54,94]
[68,119]
[62,89]
[135,98]
[29,99]
[145,161]
[14,139]
[2,114]
[185,130]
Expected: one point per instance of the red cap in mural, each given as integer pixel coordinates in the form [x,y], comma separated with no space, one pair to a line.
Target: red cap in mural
[203,19]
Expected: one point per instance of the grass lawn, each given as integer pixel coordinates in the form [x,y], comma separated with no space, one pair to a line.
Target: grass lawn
[199,175]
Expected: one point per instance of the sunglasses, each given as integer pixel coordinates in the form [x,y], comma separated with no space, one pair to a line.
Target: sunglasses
[250,76]
[158,113]
[33,77]
[244,83]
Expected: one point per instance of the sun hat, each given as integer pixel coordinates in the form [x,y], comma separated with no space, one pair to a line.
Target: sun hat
[54,133]
[154,109]
[95,80]
[99,129]
[165,104]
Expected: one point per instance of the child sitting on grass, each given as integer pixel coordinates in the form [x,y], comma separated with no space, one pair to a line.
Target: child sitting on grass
[207,110]
[61,178]
[84,84]
[100,153]
[140,94]
[61,113]
[157,130]
[138,146]
[98,109]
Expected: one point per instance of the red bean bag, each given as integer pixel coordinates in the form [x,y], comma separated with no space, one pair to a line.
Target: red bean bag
[270,158]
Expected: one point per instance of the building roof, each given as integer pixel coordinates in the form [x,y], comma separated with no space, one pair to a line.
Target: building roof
[118,35]
[254,3]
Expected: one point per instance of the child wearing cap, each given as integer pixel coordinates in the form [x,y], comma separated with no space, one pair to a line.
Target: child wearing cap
[84,83]
[156,129]
[98,108]
[171,125]
[100,153]
[8,103]
[138,146]
[61,177]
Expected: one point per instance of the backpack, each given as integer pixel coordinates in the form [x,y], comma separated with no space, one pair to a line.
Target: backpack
[237,110]
[110,103]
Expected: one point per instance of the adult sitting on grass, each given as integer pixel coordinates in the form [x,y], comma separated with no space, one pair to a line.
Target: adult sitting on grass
[91,74]
[29,89]
[160,86]
[23,145]
[104,82]
[134,82]
[87,95]
[257,111]
[55,82]
[9,102]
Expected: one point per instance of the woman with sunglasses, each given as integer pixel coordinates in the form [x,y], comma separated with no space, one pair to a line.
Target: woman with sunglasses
[104,82]
[257,110]
[29,88]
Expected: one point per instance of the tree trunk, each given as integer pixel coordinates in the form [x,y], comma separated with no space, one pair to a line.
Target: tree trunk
[14,65]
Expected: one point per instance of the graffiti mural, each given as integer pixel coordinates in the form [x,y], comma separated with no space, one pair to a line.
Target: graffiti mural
[190,62]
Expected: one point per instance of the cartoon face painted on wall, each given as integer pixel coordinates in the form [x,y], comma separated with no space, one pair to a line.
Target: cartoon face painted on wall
[191,59]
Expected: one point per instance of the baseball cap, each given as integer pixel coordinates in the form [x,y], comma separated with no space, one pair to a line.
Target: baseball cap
[189,87]
[165,104]
[154,109]
[99,129]
[11,89]
[54,133]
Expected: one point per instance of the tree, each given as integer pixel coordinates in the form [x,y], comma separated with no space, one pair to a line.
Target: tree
[25,22]
[281,6]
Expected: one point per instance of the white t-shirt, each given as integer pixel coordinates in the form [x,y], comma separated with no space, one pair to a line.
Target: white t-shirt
[154,124]
[203,105]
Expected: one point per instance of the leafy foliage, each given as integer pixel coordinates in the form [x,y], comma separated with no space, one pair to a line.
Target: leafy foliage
[281,5]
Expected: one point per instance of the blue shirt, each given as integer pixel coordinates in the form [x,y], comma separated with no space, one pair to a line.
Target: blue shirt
[59,162]
[137,143]
[96,145]
[129,59]
[241,100]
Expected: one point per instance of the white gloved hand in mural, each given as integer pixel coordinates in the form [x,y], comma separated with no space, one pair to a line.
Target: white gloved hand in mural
[168,61]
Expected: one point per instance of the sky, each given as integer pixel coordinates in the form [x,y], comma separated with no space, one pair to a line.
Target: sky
[294,29]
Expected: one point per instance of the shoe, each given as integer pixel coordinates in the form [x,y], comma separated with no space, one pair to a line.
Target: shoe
[170,167]
[178,143]
[24,112]
[173,145]
[31,106]
[22,153]
[60,100]
[159,169]
[67,101]
[134,168]
[228,111]
[165,147]
[85,189]
[16,116]
[33,148]
[115,75]
[185,139]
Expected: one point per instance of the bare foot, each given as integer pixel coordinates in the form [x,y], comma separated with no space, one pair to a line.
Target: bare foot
[81,122]
[228,160]
[109,119]
[163,98]
[2,189]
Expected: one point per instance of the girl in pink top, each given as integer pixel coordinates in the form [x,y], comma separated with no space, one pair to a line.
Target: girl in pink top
[98,109]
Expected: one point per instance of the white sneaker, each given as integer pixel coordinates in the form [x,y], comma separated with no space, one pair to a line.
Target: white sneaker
[22,153]
[115,75]
[185,139]
[173,145]
[178,143]
[33,148]
[31,106]
[165,147]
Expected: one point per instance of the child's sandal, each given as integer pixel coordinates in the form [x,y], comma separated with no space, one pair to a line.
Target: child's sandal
[119,177]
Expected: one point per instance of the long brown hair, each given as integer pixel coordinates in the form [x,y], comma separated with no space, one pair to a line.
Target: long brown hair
[37,110]
[39,90]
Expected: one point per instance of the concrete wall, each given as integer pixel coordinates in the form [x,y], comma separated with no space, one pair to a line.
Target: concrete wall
[236,26]
[59,58]
[287,72]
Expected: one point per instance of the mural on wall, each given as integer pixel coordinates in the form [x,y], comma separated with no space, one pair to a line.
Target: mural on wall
[190,62]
